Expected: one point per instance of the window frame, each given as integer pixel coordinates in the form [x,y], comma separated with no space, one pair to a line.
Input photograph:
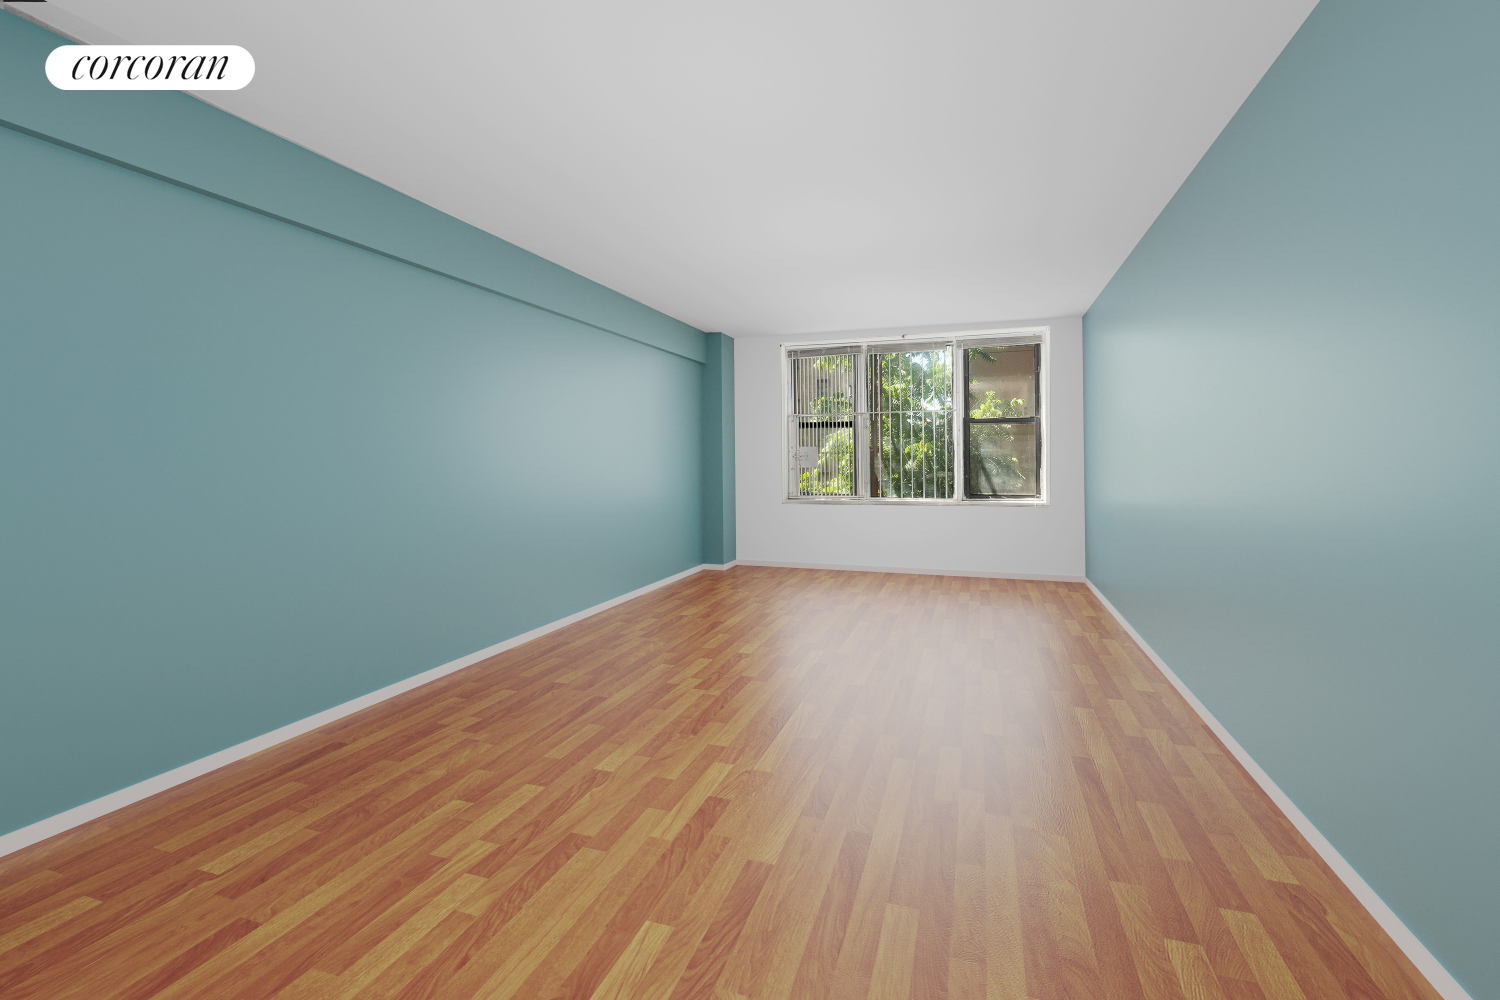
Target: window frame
[956,342]
[1035,420]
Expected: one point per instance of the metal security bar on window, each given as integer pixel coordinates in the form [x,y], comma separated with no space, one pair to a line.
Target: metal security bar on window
[1002,438]
[910,394]
[823,422]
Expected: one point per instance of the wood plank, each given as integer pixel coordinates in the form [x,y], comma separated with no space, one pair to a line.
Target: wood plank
[625,975]
[895,955]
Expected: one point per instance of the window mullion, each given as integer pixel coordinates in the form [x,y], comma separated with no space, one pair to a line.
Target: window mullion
[1036,368]
[959,395]
[862,423]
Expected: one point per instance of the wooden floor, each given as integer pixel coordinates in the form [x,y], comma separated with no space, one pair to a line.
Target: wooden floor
[763,783]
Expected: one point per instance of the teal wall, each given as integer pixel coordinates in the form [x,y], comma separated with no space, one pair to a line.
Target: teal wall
[275,436]
[1292,410]
[718,450]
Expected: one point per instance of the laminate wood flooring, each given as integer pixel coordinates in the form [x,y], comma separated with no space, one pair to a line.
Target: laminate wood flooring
[763,783]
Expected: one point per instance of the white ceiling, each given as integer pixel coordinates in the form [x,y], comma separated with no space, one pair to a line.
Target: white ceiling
[771,167]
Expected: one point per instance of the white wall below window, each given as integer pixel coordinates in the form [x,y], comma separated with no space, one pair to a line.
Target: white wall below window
[971,538]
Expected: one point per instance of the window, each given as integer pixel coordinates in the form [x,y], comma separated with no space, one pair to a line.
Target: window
[879,421]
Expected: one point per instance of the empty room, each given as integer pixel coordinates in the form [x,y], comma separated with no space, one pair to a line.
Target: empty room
[703,501]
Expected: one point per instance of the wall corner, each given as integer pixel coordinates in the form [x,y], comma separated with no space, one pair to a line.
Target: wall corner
[717,415]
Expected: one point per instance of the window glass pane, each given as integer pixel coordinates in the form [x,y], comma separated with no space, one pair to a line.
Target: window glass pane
[824,384]
[822,457]
[1002,460]
[911,421]
[1002,381]
[822,426]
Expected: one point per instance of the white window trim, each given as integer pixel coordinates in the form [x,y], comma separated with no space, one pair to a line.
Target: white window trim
[1041,333]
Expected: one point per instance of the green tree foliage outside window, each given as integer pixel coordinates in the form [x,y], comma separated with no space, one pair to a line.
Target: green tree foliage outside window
[992,407]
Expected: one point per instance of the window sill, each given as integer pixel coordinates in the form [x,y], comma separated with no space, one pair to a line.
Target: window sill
[886,502]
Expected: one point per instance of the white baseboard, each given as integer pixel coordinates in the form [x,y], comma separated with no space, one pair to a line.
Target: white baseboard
[986,574]
[1424,960]
[731,564]
[64,821]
